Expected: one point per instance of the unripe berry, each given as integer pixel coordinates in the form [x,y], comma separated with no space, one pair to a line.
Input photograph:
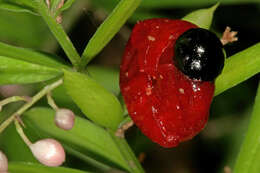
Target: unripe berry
[3,163]
[49,152]
[64,119]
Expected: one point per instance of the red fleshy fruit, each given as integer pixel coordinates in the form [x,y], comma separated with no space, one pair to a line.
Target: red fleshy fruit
[165,104]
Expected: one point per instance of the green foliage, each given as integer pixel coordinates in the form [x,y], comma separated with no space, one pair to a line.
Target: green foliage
[37,37]
[239,68]
[67,5]
[95,102]
[249,156]
[11,142]
[107,77]
[87,141]
[59,33]
[108,29]
[19,5]
[31,6]
[202,18]
[155,4]
[31,56]
[14,71]
[17,167]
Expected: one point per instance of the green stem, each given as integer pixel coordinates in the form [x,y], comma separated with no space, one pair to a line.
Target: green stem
[249,156]
[51,102]
[129,156]
[26,106]
[12,99]
[21,133]
[59,33]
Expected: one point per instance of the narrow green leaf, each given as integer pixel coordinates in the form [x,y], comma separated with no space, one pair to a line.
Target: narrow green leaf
[31,56]
[239,68]
[249,156]
[128,154]
[26,30]
[67,5]
[95,102]
[107,77]
[85,140]
[13,71]
[22,167]
[18,5]
[203,17]
[108,29]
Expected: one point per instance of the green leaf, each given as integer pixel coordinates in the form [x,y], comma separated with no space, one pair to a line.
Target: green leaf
[85,140]
[249,156]
[32,56]
[203,17]
[129,155]
[67,5]
[20,167]
[239,68]
[108,29]
[95,102]
[107,77]
[18,5]
[26,30]
[13,71]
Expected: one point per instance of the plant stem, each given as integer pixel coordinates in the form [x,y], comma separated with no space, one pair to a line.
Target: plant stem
[12,99]
[59,33]
[21,133]
[51,102]
[26,106]
[126,151]
[249,156]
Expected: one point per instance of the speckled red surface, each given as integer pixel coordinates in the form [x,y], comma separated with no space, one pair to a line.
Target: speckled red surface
[165,104]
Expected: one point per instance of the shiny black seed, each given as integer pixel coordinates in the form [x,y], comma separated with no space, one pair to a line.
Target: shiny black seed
[199,54]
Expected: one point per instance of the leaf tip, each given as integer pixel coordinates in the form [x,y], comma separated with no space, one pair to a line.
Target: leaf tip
[214,7]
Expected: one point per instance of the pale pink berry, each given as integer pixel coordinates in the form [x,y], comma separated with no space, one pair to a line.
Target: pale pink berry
[64,119]
[48,152]
[3,163]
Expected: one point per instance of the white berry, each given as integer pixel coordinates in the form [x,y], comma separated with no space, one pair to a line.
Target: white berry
[3,162]
[48,152]
[64,119]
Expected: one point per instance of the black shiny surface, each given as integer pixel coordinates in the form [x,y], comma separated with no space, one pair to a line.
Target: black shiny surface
[198,54]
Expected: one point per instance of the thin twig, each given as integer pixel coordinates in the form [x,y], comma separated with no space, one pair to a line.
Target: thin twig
[21,133]
[121,130]
[26,106]
[51,102]
[13,99]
